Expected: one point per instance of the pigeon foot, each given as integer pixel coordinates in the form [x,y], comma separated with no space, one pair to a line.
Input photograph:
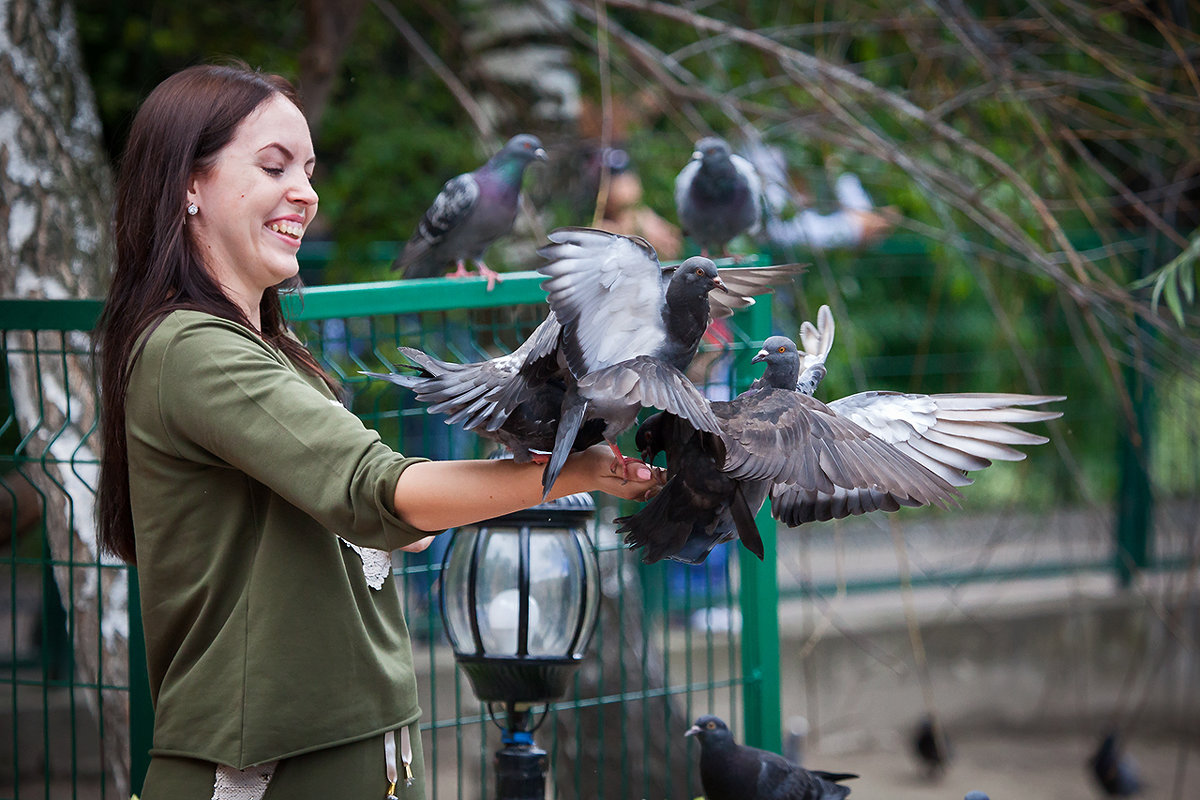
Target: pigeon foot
[620,460]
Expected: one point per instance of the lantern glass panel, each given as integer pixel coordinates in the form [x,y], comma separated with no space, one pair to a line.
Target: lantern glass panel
[496,595]
[457,603]
[555,583]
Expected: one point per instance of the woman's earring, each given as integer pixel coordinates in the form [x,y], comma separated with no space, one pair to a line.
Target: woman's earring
[192,209]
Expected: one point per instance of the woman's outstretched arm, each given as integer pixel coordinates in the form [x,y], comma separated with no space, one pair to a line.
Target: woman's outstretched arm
[432,495]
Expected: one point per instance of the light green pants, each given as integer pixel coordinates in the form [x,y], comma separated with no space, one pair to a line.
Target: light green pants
[354,771]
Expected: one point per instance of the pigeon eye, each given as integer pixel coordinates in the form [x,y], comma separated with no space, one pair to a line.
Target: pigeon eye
[781,349]
[699,272]
[710,725]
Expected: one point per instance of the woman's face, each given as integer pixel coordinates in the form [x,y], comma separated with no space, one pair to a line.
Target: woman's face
[256,202]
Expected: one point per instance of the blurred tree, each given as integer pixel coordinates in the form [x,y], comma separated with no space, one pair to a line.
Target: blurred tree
[55,197]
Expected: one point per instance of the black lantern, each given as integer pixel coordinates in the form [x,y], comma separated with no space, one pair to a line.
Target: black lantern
[519,598]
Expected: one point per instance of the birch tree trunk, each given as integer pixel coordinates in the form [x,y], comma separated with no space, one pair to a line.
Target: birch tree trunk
[55,242]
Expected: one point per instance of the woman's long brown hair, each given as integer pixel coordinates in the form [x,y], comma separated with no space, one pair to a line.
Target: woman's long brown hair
[177,133]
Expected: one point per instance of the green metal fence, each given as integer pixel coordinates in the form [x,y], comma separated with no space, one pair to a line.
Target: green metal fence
[666,674]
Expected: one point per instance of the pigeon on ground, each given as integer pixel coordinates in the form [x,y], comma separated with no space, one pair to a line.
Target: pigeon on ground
[1115,771]
[976,795]
[718,196]
[770,434]
[471,211]
[630,327]
[931,747]
[948,434]
[513,399]
[730,771]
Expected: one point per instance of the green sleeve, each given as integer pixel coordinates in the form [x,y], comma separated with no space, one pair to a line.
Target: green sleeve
[226,398]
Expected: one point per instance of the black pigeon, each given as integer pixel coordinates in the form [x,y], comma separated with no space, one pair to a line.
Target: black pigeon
[513,399]
[630,327]
[931,747]
[1115,772]
[718,196]
[770,434]
[948,434]
[730,771]
[471,211]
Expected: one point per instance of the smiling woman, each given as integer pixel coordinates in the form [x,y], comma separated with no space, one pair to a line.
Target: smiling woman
[260,512]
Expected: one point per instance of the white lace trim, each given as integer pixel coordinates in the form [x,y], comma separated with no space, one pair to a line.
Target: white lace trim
[377,564]
[242,784]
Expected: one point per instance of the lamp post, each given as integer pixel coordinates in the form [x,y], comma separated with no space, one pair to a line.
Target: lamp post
[519,598]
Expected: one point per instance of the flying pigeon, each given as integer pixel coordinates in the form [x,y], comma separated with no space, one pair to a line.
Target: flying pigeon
[730,771]
[630,327]
[471,211]
[718,196]
[1115,772]
[770,434]
[931,747]
[948,434]
[513,399]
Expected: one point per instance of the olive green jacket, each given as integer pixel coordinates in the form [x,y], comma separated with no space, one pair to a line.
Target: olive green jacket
[263,638]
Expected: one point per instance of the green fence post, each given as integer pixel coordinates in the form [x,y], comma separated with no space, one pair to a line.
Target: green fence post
[759,598]
[1135,496]
[141,710]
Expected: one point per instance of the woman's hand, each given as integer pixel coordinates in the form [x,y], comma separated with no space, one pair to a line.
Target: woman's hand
[600,471]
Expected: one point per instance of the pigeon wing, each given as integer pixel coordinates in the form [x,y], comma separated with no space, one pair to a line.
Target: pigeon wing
[743,284]
[606,291]
[790,438]
[683,186]
[754,185]
[650,383]
[950,434]
[450,209]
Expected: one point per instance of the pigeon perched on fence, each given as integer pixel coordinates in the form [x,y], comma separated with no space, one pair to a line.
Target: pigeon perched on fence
[948,434]
[1115,772]
[718,196]
[630,327]
[513,399]
[730,771]
[471,211]
[770,434]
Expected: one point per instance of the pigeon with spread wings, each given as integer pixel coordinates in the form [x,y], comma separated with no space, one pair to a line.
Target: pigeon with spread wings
[630,327]
[948,434]
[513,399]
[770,434]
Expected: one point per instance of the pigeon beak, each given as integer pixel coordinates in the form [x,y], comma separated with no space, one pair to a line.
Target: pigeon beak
[697,155]
[761,355]
[693,731]
[720,284]
[539,154]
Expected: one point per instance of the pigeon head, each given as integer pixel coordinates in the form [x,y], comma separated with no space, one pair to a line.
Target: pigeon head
[512,159]
[711,731]
[523,148]
[698,274]
[712,150]
[649,438]
[783,362]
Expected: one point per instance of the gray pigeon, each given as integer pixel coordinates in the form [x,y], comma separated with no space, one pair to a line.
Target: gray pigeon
[471,211]
[718,196]
[1115,772]
[630,327]
[770,434]
[948,434]
[513,399]
[731,771]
